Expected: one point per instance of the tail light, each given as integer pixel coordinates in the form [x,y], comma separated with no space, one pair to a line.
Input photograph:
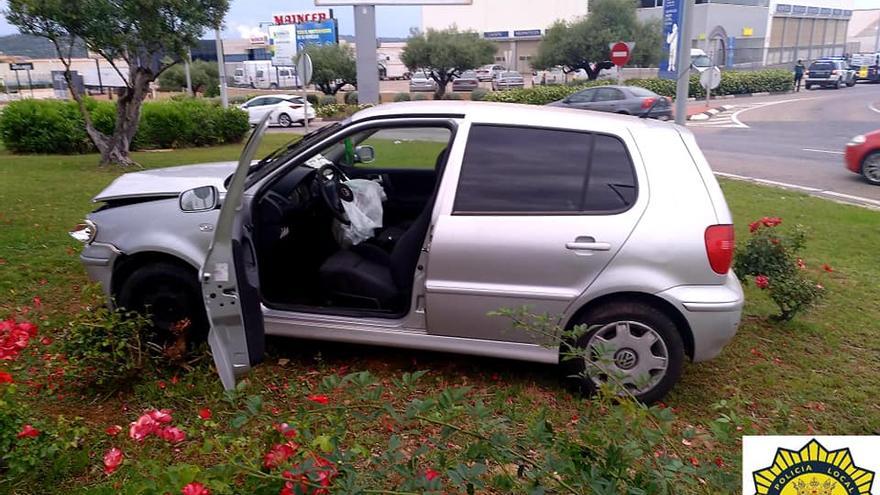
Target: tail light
[719,247]
[295,106]
[647,102]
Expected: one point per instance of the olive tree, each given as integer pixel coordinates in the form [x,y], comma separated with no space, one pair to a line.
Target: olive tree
[204,77]
[333,66]
[445,54]
[149,36]
[583,43]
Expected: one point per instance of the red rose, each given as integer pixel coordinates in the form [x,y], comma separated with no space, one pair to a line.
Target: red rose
[286,430]
[827,267]
[142,428]
[430,474]
[5,377]
[205,413]
[160,416]
[113,430]
[28,431]
[771,221]
[762,281]
[172,434]
[320,399]
[278,454]
[195,488]
[754,226]
[112,460]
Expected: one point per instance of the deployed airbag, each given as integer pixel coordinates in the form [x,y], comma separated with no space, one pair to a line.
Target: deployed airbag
[364,213]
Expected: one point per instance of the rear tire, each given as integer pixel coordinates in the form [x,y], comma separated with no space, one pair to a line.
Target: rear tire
[656,366]
[808,86]
[168,293]
[871,168]
[839,84]
[851,83]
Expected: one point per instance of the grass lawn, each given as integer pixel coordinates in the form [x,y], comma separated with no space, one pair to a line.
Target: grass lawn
[817,374]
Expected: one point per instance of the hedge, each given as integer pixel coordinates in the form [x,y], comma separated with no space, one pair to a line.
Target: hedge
[732,83]
[54,126]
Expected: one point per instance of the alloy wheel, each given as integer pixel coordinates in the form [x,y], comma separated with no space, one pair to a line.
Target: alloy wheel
[871,168]
[629,354]
[284,120]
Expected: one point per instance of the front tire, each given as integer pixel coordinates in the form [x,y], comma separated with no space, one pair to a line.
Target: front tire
[871,168]
[169,294]
[633,345]
[284,120]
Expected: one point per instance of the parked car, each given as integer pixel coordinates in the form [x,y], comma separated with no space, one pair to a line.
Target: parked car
[283,110]
[629,100]
[508,80]
[488,72]
[548,77]
[700,61]
[421,81]
[560,211]
[467,81]
[830,73]
[863,156]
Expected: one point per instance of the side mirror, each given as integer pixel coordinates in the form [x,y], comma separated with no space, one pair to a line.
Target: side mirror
[364,154]
[199,199]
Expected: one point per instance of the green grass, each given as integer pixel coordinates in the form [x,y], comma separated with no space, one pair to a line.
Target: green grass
[816,374]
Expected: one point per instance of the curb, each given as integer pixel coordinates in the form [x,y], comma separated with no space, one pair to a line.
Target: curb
[708,114]
[847,199]
[744,95]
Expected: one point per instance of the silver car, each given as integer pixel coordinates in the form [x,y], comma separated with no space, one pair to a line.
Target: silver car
[422,82]
[627,100]
[508,80]
[596,219]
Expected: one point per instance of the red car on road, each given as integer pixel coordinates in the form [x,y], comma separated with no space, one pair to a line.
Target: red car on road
[863,156]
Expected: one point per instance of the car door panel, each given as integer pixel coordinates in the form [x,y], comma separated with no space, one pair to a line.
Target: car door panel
[229,279]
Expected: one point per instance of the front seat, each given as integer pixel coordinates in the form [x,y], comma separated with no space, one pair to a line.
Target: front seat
[367,276]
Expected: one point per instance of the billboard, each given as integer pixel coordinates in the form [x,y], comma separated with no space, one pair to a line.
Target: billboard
[316,33]
[671,39]
[300,17]
[282,44]
[338,3]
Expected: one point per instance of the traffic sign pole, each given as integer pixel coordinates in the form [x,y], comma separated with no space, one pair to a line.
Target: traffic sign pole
[620,55]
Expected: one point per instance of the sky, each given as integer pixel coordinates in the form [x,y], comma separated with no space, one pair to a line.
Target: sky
[244,17]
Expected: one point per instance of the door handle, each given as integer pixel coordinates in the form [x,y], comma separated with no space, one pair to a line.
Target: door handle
[587,243]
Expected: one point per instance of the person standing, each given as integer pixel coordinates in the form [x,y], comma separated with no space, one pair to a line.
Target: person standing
[798,74]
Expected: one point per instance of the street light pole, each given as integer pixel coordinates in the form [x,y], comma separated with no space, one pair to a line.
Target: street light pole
[186,62]
[221,69]
[683,63]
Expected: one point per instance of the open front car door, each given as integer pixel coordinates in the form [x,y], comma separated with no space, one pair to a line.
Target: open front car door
[229,280]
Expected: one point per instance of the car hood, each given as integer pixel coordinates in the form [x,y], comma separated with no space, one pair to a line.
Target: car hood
[167,182]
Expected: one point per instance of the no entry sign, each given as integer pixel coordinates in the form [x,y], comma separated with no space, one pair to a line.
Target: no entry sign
[619,53]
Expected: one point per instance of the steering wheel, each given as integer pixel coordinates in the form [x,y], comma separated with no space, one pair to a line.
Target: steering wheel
[334,192]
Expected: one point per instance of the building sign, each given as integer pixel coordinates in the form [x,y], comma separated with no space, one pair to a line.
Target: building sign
[824,11]
[22,66]
[671,39]
[813,10]
[837,12]
[799,9]
[806,10]
[300,17]
[783,8]
[747,31]
[526,32]
[260,40]
[496,34]
[731,50]
[316,33]
[282,44]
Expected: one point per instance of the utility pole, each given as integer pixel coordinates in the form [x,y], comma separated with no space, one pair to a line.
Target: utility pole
[186,62]
[683,63]
[221,69]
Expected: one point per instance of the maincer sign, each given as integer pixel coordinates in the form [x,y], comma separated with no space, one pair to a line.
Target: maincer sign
[300,17]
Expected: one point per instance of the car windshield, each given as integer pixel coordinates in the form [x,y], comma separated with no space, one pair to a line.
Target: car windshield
[640,92]
[280,155]
[701,61]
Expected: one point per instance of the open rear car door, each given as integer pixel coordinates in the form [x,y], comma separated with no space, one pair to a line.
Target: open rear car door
[230,282]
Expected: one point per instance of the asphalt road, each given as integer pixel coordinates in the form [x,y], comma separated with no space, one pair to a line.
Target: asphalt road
[794,138]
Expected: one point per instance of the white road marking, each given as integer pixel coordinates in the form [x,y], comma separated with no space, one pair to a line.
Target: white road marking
[825,151]
[873,108]
[735,116]
[813,191]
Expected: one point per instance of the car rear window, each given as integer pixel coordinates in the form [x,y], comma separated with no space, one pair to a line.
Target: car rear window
[519,170]
[822,66]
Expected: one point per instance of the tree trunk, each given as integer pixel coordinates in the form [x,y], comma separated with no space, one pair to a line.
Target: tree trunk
[115,149]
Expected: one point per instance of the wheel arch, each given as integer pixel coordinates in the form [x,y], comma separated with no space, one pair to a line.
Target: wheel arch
[125,265]
[658,303]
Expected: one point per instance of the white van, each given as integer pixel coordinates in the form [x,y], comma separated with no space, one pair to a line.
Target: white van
[699,60]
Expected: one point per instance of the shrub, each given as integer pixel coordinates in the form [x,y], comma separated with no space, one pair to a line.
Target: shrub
[53,126]
[402,97]
[106,348]
[327,100]
[421,97]
[770,256]
[479,94]
[351,98]
[312,99]
[452,96]
[541,95]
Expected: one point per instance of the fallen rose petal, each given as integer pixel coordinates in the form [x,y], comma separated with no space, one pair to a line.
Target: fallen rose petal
[28,431]
[172,434]
[5,377]
[160,416]
[112,460]
[113,430]
[195,488]
[319,398]
[430,474]
[205,413]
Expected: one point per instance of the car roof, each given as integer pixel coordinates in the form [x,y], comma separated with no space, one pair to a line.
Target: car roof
[512,114]
[282,96]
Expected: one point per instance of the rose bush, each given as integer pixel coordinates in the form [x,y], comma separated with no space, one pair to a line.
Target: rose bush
[770,256]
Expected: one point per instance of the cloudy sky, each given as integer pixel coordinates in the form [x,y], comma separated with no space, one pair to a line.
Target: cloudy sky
[245,16]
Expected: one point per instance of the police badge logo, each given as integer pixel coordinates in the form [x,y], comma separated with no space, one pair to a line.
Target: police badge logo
[813,470]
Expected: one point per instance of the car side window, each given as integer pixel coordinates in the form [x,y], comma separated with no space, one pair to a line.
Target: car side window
[271,101]
[404,147]
[518,170]
[608,94]
[584,96]
[256,103]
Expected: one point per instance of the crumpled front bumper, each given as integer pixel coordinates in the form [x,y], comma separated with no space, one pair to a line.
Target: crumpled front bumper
[98,259]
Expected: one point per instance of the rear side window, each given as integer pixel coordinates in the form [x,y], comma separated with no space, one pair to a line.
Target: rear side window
[518,170]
